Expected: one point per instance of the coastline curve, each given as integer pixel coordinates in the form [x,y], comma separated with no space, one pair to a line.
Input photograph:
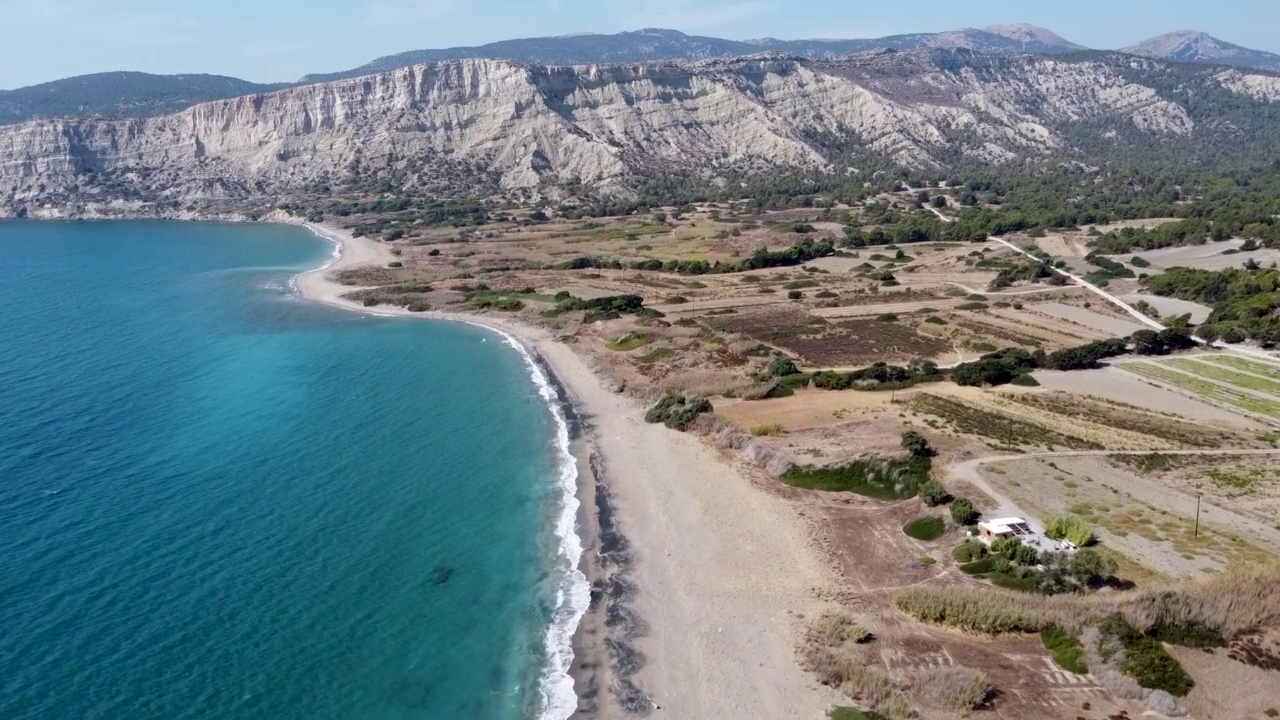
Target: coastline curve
[557,696]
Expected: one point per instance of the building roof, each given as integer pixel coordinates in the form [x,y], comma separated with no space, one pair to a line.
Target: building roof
[1004,525]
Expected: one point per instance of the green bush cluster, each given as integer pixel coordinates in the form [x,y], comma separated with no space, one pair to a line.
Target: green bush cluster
[963,512]
[934,494]
[1070,528]
[969,551]
[880,376]
[599,309]
[1068,653]
[678,412]
[1244,301]
[1145,658]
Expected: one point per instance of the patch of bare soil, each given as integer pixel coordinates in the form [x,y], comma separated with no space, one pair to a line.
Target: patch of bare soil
[1063,245]
[1227,689]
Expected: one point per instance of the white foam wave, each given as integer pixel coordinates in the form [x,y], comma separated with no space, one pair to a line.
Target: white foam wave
[334,257]
[573,594]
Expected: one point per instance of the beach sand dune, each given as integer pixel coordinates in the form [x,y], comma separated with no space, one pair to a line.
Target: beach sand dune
[723,571]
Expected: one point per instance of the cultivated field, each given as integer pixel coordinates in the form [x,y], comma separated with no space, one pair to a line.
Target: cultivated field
[1117,386]
[1172,307]
[1109,325]
[1210,256]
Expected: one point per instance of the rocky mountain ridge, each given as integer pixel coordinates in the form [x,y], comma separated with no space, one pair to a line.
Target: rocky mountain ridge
[661,44]
[121,94]
[1199,47]
[495,126]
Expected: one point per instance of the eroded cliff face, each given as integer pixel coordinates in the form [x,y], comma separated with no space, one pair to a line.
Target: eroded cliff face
[1265,88]
[464,123]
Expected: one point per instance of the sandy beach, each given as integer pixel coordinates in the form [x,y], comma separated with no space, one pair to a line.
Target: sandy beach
[714,573]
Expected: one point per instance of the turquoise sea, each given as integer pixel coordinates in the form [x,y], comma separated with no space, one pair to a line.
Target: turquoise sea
[218,500]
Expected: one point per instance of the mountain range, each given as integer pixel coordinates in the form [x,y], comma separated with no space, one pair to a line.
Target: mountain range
[1192,46]
[659,44]
[129,94]
[483,128]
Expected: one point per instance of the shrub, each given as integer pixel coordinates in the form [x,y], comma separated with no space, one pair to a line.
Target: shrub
[916,444]
[1024,380]
[969,551]
[934,494]
[935,320]
[926,529]
[655,355]
[677,412]
[434,252]
[1070,528]
[981,566]
[630,342]
[794,295]
[972,306]
[1068,653]
[963,512]
[1191,634]
[782,366]
[887,318]
[767,430]
[395,264]
[957,688]
[677,300]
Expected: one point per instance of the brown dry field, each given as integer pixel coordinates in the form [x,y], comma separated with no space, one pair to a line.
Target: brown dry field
[1145,519]
[1245,485]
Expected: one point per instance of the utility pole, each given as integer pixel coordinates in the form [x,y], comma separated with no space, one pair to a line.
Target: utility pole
[1197,531]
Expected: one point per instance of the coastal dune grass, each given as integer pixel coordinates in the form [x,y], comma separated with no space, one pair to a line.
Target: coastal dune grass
[1068,653]
[833,651]
[1234,602]
[879,478]
[768,430]
[955,688]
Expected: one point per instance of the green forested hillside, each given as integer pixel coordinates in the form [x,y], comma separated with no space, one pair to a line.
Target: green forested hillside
[119,94]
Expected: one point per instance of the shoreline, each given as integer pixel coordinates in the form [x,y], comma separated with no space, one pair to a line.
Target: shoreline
[577,527]
[694,567]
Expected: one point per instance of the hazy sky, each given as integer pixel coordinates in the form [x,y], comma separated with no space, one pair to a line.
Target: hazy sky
[273,40]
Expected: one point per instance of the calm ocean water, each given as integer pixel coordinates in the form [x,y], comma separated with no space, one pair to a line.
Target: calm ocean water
[220,501]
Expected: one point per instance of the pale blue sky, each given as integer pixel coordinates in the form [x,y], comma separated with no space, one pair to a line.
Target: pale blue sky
[270,40]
